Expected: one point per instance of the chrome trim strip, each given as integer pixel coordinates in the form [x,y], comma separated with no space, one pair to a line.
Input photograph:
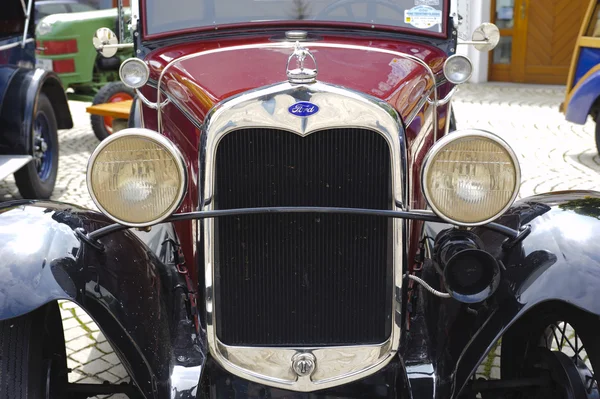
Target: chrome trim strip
[268,108]
[291,46]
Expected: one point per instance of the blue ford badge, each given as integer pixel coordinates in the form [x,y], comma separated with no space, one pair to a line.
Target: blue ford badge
[303,108]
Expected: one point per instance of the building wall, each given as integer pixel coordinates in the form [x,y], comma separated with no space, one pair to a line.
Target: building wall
[473,13]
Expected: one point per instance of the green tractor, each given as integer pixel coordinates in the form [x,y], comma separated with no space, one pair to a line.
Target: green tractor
[63,46]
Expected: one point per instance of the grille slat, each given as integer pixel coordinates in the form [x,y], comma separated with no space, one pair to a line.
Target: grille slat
[303,279]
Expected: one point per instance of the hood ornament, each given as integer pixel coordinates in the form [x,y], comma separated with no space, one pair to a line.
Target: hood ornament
[300,74]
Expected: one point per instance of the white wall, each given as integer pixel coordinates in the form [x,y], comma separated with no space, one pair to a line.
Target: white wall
[474,13]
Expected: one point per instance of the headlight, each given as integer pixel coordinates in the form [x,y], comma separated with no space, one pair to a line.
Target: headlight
[458,69]
[136,177]
[134,73]
[43,28]
[470,177]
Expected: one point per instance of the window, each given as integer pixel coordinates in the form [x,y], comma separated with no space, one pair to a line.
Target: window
[174,15]
[43,10]
[78,7]
[12,19]
[594,27]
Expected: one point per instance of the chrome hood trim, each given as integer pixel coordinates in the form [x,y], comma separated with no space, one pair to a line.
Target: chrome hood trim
[268,108]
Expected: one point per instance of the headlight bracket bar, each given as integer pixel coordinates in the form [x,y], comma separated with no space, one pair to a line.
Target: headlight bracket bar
[514,236]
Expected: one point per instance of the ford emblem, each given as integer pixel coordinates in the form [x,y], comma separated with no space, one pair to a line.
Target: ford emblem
[303,108]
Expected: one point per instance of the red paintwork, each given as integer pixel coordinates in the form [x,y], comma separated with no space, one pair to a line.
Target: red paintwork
[293,24]
[209,79]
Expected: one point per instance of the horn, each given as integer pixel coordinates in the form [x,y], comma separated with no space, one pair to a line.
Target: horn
[471,275]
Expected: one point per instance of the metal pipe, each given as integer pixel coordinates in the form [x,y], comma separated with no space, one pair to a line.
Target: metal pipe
[117,46]
[15,44]
[408,215]
[27,19]
[474,42]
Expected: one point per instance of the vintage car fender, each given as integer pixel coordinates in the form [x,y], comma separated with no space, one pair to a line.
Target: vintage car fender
[559,261]
[583,96]
[23,89]
[133,296]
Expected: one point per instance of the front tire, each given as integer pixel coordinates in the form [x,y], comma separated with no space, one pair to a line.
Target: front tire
[32,355]
[109,93]
[36,180]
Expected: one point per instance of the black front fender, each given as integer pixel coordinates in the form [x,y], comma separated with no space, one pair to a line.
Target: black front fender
[558,261]
[125,289]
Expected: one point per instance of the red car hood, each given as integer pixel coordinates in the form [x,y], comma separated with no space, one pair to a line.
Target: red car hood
[199,81]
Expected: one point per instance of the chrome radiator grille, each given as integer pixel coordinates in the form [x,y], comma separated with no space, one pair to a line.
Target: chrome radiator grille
[303,279]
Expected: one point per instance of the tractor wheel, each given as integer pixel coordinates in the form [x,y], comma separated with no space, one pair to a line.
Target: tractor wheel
[110,93]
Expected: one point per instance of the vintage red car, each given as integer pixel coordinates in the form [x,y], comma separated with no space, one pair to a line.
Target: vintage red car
[293,215]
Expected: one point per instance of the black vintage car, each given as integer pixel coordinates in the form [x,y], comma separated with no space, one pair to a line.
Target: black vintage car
[293,215]
[33,106]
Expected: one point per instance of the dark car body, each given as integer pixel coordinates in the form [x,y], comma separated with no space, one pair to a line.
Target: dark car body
[300,259]
[20,87]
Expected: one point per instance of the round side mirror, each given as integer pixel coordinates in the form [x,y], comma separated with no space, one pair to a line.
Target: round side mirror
[104,37]
[487,35]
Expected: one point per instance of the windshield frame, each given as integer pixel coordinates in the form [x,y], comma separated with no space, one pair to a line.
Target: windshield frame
[295,24]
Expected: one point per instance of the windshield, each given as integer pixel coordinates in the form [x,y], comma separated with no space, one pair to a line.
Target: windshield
[424,16]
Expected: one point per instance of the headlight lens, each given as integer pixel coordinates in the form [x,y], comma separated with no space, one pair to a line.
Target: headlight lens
[470,177]
[43,28]
[458,69]
[134,73]
[136,177]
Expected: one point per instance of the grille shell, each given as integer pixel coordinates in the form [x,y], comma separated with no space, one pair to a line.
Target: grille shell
[303,279]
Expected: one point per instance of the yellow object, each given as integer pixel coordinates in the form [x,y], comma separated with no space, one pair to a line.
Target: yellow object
[116,110]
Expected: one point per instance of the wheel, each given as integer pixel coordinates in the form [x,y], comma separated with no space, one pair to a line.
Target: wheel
[110,93]
[36,180]
[561,346]
[33,362]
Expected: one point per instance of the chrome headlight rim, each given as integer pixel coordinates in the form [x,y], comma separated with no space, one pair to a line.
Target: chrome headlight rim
[161,140]
[460,134]
[139,62]
[449,61]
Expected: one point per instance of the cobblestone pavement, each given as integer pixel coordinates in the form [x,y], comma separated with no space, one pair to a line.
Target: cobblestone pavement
[554,155]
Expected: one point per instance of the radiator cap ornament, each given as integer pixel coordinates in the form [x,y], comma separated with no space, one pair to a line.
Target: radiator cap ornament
[300,74]
[303,364]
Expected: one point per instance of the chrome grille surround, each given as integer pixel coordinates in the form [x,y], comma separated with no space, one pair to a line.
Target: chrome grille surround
[268,108]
